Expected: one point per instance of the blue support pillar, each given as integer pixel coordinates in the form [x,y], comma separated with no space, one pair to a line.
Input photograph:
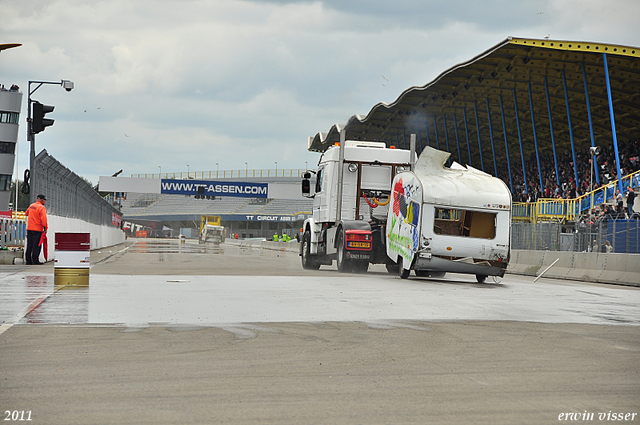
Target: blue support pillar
[535,137]
[475,108]
[466,132]
[435,126]
[506,144]
[446,138]
[524,171]
[426,128]
[404,139]
[493,150]
[455,125]
[397,140]
[573,149]
[553,139]
[593,143]
[613,122]
[420,141]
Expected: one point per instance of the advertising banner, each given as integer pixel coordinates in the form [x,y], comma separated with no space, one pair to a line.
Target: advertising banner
[214,188]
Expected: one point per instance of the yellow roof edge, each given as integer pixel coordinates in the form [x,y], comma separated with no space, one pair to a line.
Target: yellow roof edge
[578,46]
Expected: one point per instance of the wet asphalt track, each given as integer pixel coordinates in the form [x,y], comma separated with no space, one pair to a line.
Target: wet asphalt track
[240,335]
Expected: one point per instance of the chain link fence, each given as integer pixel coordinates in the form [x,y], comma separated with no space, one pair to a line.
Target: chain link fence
[68,195]
[622,235]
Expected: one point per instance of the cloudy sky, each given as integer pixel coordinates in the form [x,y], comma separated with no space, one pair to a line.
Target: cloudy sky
[186,84]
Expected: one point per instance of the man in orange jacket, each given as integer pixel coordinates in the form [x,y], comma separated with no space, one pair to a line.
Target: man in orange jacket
[36,225]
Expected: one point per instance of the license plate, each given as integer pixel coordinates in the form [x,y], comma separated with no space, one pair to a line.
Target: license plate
[359,244]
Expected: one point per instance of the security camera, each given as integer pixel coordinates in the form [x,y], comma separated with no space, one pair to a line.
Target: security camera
[67,85]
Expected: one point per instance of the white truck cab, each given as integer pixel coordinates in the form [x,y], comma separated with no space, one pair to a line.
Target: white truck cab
[348,220]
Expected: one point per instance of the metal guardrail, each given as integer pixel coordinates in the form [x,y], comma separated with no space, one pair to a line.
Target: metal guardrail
[559,210]
[69,195]
[224,174]
[13,232]
[623,237]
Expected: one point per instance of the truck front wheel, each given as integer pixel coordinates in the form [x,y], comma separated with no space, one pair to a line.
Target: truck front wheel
[308,262]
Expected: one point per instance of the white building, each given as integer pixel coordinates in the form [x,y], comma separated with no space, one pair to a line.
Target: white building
[10,104]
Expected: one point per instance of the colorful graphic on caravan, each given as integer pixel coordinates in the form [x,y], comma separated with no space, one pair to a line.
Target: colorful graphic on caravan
[404,233]
[191,187]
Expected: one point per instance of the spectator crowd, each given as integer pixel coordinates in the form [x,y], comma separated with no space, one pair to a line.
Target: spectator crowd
[567,187]
[13,88]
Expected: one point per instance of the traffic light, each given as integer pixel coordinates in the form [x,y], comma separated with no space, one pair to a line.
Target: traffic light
[201,194]
[38,121]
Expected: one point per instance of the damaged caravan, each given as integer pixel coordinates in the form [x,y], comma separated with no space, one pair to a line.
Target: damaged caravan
[448,219]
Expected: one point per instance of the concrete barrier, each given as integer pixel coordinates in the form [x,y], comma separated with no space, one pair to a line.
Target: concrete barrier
[8,256]
[623,269]
[526,262]
[101,236]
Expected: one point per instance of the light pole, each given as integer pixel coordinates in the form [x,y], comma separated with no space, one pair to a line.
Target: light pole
[160,172]
[246,169]
[68,86]
[276,168]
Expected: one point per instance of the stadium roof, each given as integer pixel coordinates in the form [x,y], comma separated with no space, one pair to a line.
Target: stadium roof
[499,79]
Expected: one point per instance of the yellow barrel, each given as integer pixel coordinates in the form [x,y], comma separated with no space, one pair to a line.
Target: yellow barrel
[71,277]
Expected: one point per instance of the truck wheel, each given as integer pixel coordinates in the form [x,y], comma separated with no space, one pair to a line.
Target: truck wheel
[438,274]
[308,262]
[343,264]
[422,273]
[402,272]
[481,278]
[392,268]
[361,266]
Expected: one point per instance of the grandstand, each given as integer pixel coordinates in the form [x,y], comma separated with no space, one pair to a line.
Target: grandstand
[247,217]
[527,111]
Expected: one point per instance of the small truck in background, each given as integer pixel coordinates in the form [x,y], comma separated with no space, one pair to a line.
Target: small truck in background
[211,230]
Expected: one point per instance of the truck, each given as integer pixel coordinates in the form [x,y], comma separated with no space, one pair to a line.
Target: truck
[350,203]
[211,230]
[379,205]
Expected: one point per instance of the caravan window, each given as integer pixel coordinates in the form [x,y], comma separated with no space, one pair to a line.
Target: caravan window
[456,222]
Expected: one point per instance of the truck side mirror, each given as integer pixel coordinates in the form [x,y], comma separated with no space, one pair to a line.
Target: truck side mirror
[306,186]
